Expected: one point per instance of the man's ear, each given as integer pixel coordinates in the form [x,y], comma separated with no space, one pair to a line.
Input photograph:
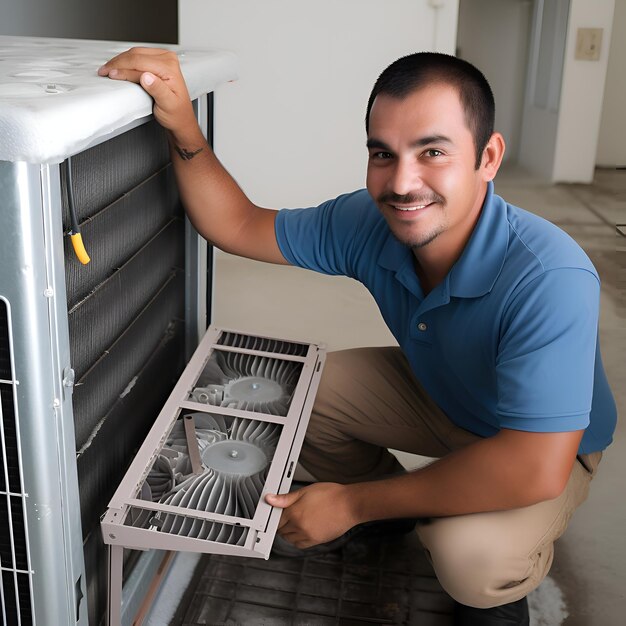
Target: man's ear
[492,157]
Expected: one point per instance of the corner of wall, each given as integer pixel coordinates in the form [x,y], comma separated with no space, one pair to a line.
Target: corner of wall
[582,92]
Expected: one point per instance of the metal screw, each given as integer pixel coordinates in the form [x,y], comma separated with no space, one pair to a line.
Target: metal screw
[68,377]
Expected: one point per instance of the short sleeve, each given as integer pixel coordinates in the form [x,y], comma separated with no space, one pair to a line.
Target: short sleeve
[546,354]
[324,238]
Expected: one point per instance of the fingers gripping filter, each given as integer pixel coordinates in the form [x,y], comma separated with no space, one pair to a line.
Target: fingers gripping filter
[230,432]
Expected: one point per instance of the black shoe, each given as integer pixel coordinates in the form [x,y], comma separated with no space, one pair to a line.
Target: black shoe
[512,614]
[379,528]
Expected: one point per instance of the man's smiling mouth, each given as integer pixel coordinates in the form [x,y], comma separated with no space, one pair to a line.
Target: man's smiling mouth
[417,207]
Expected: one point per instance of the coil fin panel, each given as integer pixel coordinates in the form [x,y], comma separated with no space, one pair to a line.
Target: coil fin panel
[115,234]
[147,271]
[121,164]
[125,314]
[114,374]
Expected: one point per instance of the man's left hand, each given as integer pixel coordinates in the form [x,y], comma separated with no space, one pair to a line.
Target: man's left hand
[314,514]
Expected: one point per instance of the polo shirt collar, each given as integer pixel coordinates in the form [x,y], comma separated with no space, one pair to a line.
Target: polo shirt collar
[478,267]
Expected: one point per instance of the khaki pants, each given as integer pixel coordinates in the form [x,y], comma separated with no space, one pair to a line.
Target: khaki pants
[369,401]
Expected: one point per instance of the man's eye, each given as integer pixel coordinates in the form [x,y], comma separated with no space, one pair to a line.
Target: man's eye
[433,152]
[380,155]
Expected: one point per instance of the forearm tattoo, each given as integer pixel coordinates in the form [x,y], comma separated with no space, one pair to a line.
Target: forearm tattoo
[187,155]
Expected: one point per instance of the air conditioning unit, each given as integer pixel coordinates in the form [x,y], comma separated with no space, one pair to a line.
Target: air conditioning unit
[88,353]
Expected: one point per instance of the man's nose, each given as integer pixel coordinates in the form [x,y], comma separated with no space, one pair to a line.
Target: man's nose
[406,178]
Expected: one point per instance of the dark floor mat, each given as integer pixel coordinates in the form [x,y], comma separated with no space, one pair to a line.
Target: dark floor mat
[383,581]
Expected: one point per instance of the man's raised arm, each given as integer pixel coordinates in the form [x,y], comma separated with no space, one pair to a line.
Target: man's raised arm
[215,204]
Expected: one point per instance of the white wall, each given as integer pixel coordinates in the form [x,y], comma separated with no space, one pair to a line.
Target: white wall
[582,93]
[612,139]
[541,100]
[291,130]
[564,95]
[493,35]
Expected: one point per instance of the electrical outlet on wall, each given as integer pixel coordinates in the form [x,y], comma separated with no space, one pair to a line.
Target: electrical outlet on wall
[588,44]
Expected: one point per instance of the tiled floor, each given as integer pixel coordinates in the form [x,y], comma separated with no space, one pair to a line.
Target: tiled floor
[589,572]
[375,581]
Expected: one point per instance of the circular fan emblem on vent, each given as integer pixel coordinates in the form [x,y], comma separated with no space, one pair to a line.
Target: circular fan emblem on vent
[234,457]
[254,389]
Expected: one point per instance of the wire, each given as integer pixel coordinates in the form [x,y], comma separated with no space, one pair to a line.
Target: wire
[74,233]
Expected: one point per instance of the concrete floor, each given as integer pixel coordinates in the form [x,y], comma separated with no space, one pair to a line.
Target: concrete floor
[587,585]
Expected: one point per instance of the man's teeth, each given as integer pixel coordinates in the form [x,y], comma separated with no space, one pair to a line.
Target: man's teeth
[411,208]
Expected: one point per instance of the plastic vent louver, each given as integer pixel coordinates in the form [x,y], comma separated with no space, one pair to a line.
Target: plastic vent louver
[230,432]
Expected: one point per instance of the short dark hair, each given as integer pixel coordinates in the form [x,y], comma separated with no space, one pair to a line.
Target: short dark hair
[410,73]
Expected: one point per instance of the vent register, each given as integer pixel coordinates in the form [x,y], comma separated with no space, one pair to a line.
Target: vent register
[88,353]
[230,432]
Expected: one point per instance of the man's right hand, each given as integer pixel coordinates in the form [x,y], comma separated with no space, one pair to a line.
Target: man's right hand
[158,72]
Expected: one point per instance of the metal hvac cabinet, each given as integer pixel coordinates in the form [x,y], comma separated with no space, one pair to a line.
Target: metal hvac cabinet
[88,353]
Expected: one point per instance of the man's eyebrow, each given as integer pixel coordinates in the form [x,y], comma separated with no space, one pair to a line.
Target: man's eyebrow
[377,143]
[425,141]
[372,142]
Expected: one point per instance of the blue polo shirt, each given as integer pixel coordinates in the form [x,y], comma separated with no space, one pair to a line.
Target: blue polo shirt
[507,340]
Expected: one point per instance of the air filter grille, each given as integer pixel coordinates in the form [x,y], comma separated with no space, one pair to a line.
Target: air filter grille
[15,590]
[262,344]
[230,431]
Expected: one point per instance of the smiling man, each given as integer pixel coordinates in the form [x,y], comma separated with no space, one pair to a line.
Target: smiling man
[498,373]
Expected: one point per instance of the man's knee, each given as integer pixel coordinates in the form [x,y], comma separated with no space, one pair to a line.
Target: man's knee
[476,572]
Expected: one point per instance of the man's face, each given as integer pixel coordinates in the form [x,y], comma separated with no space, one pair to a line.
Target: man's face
[421,169]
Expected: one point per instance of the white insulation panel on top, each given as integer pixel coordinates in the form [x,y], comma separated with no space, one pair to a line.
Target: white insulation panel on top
[53,104]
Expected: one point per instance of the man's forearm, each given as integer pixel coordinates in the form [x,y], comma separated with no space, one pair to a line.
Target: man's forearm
[210,196]
[488,475]
[215,204]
